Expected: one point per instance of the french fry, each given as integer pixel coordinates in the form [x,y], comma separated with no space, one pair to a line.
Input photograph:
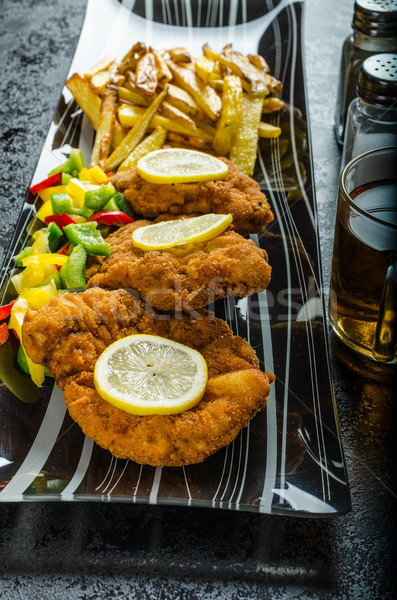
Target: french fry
[99,81]
[170,111]
[204,68]
[245,144]
[104,132]
[265,130]
[164,75]
[240,65]
[134,136]
[152,142]
[272,104]
[103,65]
[188,141]
[146,74]
[258,62]
[228,123]
[130,115]
[132,96]
[180,55]
[183,100]
[207,99]
[89,102]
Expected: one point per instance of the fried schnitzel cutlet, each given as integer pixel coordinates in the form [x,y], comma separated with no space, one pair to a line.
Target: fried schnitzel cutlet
[238,195]
[69,333]
[185,277]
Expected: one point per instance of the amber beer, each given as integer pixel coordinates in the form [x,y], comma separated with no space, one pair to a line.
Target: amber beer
[365,246]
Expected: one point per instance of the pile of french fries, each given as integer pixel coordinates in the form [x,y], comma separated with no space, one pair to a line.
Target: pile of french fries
[216,103]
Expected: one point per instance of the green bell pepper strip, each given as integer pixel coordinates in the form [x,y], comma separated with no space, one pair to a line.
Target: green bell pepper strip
[97,199]
[54,234]
[62,203]
[88,236]
[123,205]
[23,254]
[72,272]
[23,363]
[111,205]
[72,166]
[54,276]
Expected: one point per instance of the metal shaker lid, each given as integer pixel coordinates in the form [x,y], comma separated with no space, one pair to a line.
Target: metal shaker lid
[377,82]
[377,18]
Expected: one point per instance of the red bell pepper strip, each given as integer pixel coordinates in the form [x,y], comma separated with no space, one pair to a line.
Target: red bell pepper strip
[3,333]
[55,179]
[5,310]
[111,217]
[61,219]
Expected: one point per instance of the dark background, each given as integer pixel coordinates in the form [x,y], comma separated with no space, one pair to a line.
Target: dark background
[100,551]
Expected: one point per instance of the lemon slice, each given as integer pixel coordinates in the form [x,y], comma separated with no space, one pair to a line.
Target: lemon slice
[168,234]
[148,374]
[178,165]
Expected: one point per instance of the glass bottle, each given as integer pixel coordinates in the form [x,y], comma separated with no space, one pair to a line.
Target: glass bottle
[372,116]
[374,31]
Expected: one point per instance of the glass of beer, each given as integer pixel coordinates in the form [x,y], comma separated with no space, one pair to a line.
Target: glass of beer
[363,291]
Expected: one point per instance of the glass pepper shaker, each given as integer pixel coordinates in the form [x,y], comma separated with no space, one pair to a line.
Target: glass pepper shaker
[372,116]
[374,31]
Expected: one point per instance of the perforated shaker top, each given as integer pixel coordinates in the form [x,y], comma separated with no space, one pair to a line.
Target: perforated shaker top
[376,17]
[378,79]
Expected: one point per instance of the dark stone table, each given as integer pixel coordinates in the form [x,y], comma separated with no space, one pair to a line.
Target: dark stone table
[100,551]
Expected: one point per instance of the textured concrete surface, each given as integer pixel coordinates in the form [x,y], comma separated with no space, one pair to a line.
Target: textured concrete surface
[101,551]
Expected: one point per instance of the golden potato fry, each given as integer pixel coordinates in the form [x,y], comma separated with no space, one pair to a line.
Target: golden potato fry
[103,65]
[241,66]
[188,141]
[129,61]
[86,98]
[129,115]
[266,130]
[258,62]
[245,144]
[183,100]
[134,136]
[204,68]
[228,123]
[132,96]
[272,104]
[146,74]
[152,142]
[104,132]
[100,80]
[164,75]
[207,99]
[179,55]
[171,112]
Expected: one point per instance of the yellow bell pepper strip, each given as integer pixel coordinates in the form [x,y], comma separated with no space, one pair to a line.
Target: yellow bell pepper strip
[72,272]
[89,237]
[77,190]
[18,313]
[94,175]
[46,194]
[40,244]
[22,254]
[45,259]
[45,211]
[62,203]
[97,199]
[73,165]
[23,363]
[38,296]
[31,276]
[20,386]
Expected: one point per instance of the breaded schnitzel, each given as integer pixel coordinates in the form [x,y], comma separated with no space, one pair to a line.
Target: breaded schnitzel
[238,195]
[185,277]
[69,333]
